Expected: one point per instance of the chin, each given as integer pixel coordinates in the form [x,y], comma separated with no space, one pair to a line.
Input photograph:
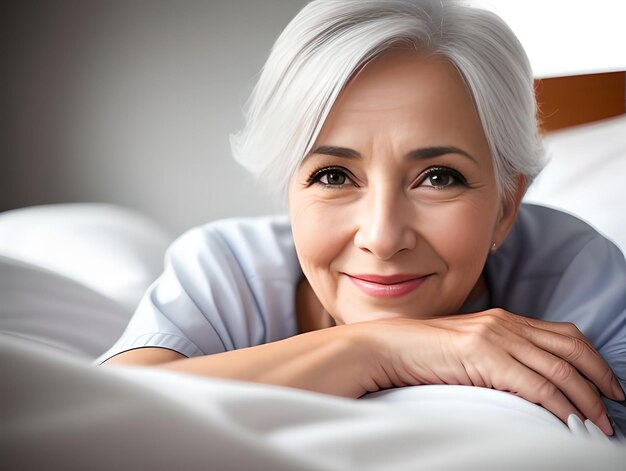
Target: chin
[360,313]
[360,310]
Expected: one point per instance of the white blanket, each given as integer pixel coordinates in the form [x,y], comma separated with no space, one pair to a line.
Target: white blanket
[61,413]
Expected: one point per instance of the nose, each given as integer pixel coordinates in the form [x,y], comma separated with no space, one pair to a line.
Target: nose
[385,225]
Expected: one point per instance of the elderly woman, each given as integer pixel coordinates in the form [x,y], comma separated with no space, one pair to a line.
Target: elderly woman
[403,134]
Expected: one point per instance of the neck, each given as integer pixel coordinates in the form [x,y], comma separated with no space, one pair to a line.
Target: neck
[478,290]
[310,313]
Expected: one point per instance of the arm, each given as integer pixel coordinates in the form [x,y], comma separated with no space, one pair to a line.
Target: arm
[550,364]
[543,362]
[335,361]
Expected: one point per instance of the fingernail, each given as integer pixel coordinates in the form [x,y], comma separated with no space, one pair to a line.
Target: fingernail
[618,391]
[575,424]
[604,425]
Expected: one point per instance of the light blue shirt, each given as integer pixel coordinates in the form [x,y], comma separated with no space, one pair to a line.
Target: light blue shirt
[231,284]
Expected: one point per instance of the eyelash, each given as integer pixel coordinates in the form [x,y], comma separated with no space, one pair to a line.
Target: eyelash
[460,180]
[318,174]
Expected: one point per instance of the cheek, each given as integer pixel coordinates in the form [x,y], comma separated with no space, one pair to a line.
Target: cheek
[320,234]
[461,235]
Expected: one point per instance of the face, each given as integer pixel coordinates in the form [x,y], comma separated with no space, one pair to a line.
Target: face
[395,209]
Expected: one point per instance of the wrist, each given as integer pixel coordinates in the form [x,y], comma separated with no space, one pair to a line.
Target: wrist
[370,354]
[400,352]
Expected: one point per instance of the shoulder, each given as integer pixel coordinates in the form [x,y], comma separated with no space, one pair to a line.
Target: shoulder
[544,242]
[552,262]
[542,230]
[260,246]
[226,285]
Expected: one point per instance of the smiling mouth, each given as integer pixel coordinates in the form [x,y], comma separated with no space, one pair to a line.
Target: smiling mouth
[387,286]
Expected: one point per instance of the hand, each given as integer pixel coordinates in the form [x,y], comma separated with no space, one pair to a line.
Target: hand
[548,363]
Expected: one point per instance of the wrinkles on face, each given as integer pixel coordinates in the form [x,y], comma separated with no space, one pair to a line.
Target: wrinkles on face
[402,188]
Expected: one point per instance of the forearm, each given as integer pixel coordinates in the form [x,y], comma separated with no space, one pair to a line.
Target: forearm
[332,361]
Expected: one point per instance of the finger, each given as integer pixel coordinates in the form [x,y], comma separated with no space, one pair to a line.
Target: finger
[566,378]
[581,355]
[528,384]
[564,328]
[502,371]
[595,432]
[593,387]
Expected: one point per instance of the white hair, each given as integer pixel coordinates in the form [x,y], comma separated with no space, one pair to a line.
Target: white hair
[329,40]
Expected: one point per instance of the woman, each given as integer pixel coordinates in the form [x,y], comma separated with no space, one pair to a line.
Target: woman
[404,136]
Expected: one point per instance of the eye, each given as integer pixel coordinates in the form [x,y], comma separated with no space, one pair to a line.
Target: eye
[441,178]
[330,177]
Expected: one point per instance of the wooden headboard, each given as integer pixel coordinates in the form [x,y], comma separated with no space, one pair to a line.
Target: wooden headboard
[568,101]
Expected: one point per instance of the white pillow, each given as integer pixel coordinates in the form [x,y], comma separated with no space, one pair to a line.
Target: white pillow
[112,250]
[71,275]
[585,176]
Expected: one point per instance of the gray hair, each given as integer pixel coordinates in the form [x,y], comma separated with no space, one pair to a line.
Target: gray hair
[329,40]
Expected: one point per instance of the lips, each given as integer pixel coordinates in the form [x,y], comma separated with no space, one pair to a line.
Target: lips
[387,286]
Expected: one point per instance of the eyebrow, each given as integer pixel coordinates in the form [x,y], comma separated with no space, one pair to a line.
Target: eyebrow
[416,154]
[336,152]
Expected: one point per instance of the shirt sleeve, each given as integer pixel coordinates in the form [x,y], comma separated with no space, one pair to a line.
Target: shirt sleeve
[592,294]
[225,286]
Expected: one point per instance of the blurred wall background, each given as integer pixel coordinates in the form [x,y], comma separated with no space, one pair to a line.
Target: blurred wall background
[131,102]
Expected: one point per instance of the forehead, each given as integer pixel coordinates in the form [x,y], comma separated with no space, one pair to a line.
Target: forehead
[401,101]
[401,71]
[406,89]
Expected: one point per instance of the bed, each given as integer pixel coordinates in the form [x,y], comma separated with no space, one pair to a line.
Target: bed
[86,265]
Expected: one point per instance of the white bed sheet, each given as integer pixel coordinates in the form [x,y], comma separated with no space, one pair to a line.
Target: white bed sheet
[53,310]
[65,414]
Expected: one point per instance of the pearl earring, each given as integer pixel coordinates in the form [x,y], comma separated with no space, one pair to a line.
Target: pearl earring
[493,247]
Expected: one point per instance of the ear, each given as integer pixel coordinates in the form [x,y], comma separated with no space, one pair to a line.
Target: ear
[508,212]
